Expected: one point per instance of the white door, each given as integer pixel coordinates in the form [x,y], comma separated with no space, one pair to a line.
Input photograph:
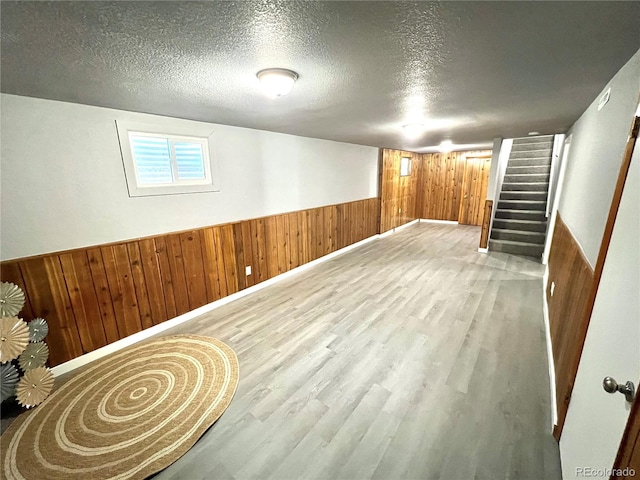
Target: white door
[596,420]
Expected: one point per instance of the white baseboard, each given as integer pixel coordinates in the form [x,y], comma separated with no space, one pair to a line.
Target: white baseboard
[550,362]
[483,250]
[393,230]
[447,222]
[156,329]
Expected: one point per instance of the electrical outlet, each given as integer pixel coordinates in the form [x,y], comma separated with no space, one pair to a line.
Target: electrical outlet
[399,210]
[247,270]
[553,287]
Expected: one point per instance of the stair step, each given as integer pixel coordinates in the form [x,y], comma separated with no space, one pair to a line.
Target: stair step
[527,147]
[523,169]
[516,248]
[538,215]
[536,139]
[524,195]
[531,154]
[528,170]
[522,205]
[526,236]
[513,224]
[534,161]
[526,177]
[526,186]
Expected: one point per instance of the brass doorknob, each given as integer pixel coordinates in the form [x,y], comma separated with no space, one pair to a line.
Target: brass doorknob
[611,386]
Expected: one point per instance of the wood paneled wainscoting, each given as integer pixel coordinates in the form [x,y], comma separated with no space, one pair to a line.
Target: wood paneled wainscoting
[486,223]
[96,295]
[441,185]
[474,188]
[397,193]
[572,276]
[453,186]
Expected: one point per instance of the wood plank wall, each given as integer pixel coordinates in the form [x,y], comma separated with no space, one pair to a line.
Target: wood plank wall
[435,189]
[486,223]
[441,185]
[573,276]
[94,296]
[474,190]
[397,194]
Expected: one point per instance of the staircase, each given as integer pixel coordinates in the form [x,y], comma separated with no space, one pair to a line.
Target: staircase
[520,224]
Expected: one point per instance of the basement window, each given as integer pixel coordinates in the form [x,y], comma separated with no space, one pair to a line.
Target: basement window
[405,166]
[162,160]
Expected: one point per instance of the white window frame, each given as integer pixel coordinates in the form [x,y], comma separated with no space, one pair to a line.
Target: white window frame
[172,131]
[407,164]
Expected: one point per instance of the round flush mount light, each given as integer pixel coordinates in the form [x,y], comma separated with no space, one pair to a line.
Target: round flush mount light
[277,82]
[445,146]
[533,133]
[413,130]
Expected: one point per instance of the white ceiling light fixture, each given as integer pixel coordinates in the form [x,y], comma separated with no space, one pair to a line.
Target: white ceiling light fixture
[533,133]
[445,146]
[413,130]
[277,82]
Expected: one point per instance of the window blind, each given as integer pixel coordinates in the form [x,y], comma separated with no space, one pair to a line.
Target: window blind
[152,156]
[189,160]
[160,159]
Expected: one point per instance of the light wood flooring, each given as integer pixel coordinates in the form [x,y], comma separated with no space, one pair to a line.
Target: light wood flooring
[411,357]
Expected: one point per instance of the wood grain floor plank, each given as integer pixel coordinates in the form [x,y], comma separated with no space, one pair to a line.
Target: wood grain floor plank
[410,357]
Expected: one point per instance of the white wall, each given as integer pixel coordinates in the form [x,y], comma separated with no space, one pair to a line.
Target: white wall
[598,142]
[498,175]
[63,183]
[493,171]
[554,174]
[553,201]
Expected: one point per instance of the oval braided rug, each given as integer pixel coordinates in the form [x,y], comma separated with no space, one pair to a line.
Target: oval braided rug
[127,416]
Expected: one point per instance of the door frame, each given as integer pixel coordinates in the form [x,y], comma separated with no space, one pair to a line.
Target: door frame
[602,254]
[630,439]
[631,436]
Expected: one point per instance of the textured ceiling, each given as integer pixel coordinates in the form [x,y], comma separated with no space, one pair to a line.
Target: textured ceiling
[471,71]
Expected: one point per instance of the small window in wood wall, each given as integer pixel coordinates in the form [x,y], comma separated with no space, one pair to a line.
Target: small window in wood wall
[405,166]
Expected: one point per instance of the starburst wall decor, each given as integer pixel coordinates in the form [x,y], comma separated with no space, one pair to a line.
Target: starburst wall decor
[23,352]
